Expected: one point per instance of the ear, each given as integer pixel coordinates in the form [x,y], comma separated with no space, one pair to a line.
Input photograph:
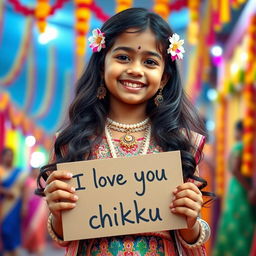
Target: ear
[164,80]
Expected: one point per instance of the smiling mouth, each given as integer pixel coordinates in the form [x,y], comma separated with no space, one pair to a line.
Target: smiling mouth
[132,84]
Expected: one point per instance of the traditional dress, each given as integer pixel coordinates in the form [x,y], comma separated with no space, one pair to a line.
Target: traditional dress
[35,219]
[238,219]
[10,214]
[146,244]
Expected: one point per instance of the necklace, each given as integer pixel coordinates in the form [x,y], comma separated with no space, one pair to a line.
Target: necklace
[144,147]
[128,142]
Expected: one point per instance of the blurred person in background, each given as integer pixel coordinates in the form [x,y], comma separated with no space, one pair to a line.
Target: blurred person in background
[34,213]
[237,221]
[12,187]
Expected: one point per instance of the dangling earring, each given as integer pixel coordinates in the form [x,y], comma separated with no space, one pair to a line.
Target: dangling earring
[101,92]
[159,97]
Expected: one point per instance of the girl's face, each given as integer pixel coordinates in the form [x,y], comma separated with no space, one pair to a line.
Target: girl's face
[134,68]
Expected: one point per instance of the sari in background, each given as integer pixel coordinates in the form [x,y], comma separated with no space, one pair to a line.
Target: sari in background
[10,214]
[238,218]
[34,219]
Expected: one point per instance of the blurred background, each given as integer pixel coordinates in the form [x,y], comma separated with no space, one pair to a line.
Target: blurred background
[44,48]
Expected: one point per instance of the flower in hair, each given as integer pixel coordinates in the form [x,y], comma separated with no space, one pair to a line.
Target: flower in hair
[97,40]
[175,48]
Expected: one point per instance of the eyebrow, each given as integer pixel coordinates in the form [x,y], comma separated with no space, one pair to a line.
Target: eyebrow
[129,49]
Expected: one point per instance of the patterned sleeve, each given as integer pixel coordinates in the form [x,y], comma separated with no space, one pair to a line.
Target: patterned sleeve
[187,250]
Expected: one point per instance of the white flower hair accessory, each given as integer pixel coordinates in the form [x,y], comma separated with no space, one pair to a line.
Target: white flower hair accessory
[97,40]
[175,48]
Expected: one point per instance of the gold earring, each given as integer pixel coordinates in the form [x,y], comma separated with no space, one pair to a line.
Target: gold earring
[159,97]
[101,91]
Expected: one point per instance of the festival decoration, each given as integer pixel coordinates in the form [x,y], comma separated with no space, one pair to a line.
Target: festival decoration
[83,15]
[122,5]
[42,11]
[20,8]
[22,54]
[162,8]
[220,144]
[193,26]
[249,95]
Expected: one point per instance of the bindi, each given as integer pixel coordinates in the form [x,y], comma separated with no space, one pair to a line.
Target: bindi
[139,47]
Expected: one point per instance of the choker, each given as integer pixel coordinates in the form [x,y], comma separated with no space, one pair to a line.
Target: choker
[128,142]
[143,150]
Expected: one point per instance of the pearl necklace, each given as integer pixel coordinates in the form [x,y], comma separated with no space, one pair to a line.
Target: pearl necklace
[143,150]
[127,126]
[128,142]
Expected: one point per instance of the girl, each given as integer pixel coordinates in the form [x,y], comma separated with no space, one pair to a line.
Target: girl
[130,101]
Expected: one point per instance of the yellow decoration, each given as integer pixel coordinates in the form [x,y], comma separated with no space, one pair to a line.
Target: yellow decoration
[82,13]
[224,11]
[122,5]
[42,11]
[161,7]
[4,100]
[82,27]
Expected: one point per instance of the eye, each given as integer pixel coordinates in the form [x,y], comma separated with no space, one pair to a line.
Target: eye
[122,57]
[151,62]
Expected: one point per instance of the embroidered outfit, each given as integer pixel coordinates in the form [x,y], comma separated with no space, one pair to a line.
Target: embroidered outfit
[145,244]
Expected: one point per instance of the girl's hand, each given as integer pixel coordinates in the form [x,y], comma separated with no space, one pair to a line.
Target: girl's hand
[188,202]
[59,195]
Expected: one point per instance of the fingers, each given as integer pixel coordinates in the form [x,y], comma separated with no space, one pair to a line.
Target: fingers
[59,175]
[187,200]
[59,195]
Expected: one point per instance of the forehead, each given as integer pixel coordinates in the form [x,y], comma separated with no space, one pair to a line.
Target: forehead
[133,38]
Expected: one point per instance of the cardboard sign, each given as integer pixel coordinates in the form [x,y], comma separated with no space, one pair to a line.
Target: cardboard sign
[123,196]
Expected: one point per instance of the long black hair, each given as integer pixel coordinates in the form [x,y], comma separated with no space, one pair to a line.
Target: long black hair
[172,121]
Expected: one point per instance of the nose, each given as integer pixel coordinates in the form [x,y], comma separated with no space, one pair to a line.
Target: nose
[135,69]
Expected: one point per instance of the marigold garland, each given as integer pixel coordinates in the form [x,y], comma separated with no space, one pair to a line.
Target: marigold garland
[18,118]
[42,11]
[162,8]
[193,27]
[20,8]
[249,95]
[220,144]
[122,5]
[82,15]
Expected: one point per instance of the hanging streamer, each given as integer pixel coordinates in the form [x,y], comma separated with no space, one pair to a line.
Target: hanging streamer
[21,57]
[50,87]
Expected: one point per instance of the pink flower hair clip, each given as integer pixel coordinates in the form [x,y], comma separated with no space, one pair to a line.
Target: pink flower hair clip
[97,40]
[175,47]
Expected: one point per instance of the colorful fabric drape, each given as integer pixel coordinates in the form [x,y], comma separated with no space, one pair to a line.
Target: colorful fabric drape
[34,219]
[238,220]
[10,214]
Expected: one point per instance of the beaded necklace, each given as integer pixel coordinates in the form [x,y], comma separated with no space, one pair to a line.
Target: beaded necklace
[129,146]
[128,142]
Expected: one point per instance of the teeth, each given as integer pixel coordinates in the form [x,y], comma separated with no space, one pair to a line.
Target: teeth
[132,85]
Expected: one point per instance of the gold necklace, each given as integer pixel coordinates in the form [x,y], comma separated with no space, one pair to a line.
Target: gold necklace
[144,147]
[128,142]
